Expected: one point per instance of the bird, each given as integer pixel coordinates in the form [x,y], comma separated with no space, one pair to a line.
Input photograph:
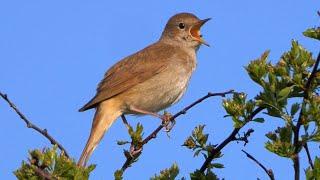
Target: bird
[147,81]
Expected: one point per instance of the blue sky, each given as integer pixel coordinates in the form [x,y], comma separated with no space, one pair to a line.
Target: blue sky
[54,53]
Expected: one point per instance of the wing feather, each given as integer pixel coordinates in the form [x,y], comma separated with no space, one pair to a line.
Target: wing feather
[131,71]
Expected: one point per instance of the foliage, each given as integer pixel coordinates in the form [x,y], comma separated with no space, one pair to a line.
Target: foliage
[135,151]
[55,166]
[198,141]
[168,174]
[289,79]
[313,173]
[239,110]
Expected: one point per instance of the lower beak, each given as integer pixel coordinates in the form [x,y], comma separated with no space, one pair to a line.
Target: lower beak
[195,31]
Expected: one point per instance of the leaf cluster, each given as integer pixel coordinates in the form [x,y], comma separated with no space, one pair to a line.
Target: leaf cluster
[53,165]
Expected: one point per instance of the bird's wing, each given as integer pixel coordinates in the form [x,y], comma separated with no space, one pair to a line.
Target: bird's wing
[131,71]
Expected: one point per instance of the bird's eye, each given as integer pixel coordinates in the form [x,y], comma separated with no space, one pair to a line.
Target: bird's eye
[181,25]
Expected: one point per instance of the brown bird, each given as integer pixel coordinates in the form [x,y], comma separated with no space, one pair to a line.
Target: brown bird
[148,81]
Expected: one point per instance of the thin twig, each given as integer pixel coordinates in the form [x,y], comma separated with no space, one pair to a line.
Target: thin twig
[183,111]
[44,132]
[230,138]
[268,171]
[43,174]
[308,154]
[296,129]
[245,136]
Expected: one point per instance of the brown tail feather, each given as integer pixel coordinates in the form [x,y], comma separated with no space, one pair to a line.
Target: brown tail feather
[105,115]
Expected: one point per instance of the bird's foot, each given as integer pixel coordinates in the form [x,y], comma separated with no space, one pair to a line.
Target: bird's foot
[133,151]
[167,122]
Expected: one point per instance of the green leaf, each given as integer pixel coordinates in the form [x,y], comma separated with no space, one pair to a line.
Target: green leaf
[237,123]
[136,136]
[57,166]
[218,165]
[313,33]
[118,175]
[312,174]
[284,93]
[297,78]
[197,152]
[272,136]
[168,174]
[257,68]
[122,142]
[294,109]
[190,143]
[309,174]
[198,175]
[273,112]
[281,142]
[259,120]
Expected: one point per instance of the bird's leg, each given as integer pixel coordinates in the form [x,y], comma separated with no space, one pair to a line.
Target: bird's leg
[166,118]
[132,108]
[133,151]
[167,122]
[125,122]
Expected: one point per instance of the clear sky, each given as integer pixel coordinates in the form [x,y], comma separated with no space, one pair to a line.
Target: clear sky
[54,53]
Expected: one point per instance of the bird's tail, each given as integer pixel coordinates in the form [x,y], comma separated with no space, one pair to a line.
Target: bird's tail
[105,115]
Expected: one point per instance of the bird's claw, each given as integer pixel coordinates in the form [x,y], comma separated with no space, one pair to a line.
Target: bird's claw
[133,151]
[168,123]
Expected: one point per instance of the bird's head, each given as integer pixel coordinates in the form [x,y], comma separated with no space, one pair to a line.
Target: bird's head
[184,29]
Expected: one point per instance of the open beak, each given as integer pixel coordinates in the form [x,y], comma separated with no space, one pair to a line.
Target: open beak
[195,31]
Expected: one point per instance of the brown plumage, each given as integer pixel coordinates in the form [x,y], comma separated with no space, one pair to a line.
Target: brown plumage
[147,81]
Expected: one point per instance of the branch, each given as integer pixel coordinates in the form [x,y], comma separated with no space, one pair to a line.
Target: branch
[245,136]
[183,111]
[308,154]
[296,129]
[268,171]
[43,174]
[44,132]
[230,138]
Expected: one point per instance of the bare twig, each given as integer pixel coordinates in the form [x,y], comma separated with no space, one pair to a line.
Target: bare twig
[230,138]
[268,171]
[296,129]
[44,132]
[245,136]
[308,154]
[183,111]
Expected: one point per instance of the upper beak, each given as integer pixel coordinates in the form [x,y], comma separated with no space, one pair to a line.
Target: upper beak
[195,31]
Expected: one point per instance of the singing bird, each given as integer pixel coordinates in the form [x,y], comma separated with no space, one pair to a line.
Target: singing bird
[148,81]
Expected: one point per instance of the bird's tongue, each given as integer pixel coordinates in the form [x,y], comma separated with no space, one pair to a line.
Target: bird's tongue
[195,31]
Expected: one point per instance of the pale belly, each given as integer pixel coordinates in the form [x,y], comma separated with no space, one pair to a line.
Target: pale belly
[157,93]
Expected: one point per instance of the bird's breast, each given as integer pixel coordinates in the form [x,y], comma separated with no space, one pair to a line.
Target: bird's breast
[163,89]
